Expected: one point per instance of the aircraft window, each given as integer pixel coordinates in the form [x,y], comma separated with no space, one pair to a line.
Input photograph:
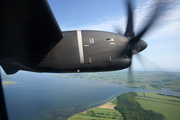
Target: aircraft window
[110,39]
[91,40]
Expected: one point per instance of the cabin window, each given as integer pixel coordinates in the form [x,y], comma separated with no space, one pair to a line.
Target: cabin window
[110,39]
[91,40]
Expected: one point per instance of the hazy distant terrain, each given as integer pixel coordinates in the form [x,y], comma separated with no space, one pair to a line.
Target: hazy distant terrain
[5,80]
[143,80]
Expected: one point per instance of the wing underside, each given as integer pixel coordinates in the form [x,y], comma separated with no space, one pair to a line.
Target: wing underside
[29,31]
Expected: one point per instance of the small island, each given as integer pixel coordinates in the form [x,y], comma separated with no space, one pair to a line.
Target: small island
[102,84]
[4,83]
[5,80]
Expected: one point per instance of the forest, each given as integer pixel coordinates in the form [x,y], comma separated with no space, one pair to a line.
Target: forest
[131,109]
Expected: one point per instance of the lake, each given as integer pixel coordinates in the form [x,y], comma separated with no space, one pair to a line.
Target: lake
[37,96]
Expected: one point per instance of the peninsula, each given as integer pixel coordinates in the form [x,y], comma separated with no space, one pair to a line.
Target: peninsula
[131,106]
[4,83]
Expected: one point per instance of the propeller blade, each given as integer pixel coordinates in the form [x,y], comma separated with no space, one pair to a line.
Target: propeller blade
[141,61]
[129,28]
[152,20]
[152,63]
[135,44]
[118,31]
[130,52]
[130,77]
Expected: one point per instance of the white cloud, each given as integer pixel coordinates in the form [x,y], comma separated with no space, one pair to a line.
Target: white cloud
[157,48]
[177,41]
[167,24]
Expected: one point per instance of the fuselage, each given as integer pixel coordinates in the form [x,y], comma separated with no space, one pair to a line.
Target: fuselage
[87,51]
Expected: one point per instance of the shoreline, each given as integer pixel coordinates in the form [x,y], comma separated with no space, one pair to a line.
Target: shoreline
[94,107]
[5,83]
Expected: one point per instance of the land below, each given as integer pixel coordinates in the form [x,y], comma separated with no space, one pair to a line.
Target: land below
[4,83]
[143,80]
[130,106]
[139,106]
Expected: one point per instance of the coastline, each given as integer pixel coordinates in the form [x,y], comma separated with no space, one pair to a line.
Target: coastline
[94,107]
[5,83]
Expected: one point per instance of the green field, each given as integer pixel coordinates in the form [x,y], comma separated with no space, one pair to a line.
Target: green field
[132,110]
[168,106]
[143,80]
[177,90]
[102,84]
[98,114]
[114,101]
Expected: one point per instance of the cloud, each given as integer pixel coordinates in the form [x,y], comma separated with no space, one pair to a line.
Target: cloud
[157,48]
[107,24]
[177,41]
[167,24]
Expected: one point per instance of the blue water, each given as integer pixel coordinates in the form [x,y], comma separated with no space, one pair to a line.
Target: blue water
[37,95]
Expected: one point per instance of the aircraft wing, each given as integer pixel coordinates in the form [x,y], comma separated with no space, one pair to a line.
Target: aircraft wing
[29,31]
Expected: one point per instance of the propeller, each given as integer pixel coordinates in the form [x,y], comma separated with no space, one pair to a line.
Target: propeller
[135,43]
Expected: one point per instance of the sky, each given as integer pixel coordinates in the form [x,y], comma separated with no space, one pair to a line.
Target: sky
[163,39]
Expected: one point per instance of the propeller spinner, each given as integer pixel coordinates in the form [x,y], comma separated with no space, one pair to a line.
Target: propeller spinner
[136,45]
